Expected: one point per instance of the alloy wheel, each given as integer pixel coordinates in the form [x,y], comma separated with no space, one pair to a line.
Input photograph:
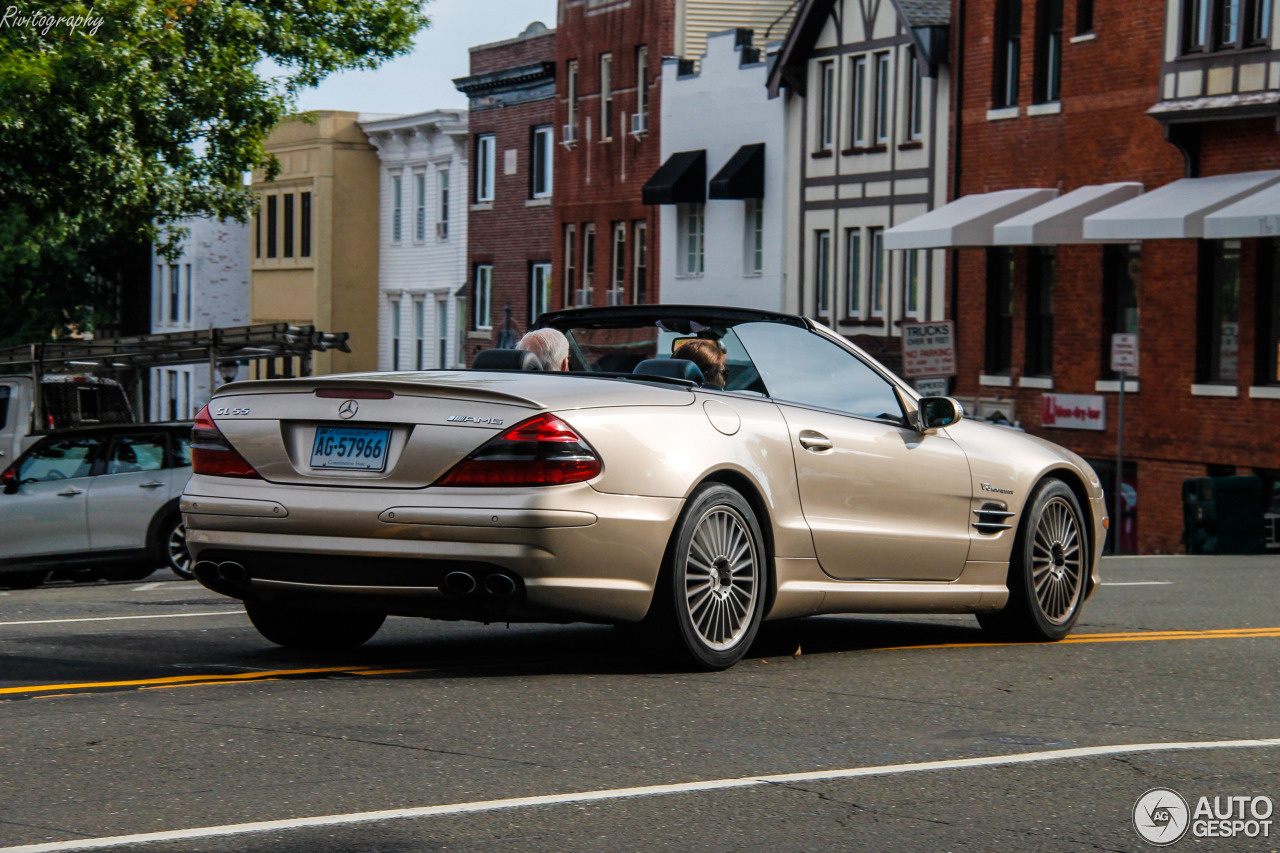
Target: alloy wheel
[722,578]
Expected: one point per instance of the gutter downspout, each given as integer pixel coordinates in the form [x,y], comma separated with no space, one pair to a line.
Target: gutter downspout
[957,87]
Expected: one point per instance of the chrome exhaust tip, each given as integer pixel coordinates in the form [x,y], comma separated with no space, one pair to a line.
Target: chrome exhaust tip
[205,570]
[460,583]
[500,585]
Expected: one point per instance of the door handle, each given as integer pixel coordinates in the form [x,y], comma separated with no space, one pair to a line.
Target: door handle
[814,441]
[69,493]
[154,484]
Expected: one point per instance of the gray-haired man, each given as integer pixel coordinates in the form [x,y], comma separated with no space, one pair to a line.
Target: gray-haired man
[549,345]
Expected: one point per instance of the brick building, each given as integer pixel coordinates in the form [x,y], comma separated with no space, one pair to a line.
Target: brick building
[510,230]
[1073,221]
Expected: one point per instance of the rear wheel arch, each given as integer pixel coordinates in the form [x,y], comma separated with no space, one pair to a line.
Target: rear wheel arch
[156,529]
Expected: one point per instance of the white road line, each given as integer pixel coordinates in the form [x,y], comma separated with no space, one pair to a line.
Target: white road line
[1136,583]
[147,587]
[118,618]
[625,793]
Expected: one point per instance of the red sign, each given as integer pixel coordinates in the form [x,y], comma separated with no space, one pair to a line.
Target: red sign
[929,349]
[1074,411]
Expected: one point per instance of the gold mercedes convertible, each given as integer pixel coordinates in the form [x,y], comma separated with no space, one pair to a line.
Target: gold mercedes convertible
[631,490]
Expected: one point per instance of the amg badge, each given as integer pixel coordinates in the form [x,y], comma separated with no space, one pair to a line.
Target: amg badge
[987,487]
[468,419]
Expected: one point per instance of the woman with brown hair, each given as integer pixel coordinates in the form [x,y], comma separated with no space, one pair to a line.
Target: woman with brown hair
[707,355]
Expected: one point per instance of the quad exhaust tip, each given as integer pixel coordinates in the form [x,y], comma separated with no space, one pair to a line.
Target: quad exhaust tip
[233,573]
[500,585]
[460,583]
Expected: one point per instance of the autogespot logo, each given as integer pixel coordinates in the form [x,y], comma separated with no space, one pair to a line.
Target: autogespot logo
[1161,816]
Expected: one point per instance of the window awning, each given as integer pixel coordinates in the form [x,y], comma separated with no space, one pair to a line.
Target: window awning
[680,180]
[1256,215]
[967,221]
[1062,220]
[742,176]
[1176,210]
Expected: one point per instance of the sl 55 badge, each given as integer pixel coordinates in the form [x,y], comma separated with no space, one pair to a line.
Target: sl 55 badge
[225,411]
[468,419]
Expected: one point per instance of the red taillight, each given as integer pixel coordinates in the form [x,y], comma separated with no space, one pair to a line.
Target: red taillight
[212,454]
[542,451]
[9,477]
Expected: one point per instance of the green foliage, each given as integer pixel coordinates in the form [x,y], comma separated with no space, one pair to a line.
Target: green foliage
[120,118]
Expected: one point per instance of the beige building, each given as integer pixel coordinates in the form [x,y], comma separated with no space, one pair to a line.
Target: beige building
[314,242]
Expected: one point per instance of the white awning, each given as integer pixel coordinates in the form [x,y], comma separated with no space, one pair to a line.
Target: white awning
[1176,210]
[1061,220]
[967,221]
[1256,215]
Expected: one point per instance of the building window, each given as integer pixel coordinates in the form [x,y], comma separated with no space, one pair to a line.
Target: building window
[288,226]
[304,247]
[753,219]
[442,215]
[1268,313]
[1008,53]
[640,257]
[822,272]
[571,76]
[1041,272]
[540,173]
[257,234]
[273,223]
[827,107]
[879,260]
[1219,312]
[173,395]
[1084,16]
[419,334]
[486,160]
[420,206]
[1228,23]
[539,290]
[570,262]
[642,84]
[484,295]
[442,333]
[175,292]
[999,343]
[157,298]
[692,235]
[914,113]
[606,96]
[1048,51]
[911,294]
[618,279]
[858,103]
[395,208]
[186,292]
[588,265]
[853,272]
[1260,25]
[1121,276]
[1225,24]
[395,334]
[884,85]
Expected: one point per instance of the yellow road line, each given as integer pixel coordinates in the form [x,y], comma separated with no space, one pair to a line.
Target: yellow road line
[180,679]
[1138,637]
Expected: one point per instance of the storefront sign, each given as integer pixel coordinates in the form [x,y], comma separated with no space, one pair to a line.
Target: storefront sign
[929,349]
[1074,411]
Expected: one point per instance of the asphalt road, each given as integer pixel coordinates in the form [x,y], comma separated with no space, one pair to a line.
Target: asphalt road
[153,707]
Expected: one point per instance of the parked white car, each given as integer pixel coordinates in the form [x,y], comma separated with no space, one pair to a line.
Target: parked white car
[100,501]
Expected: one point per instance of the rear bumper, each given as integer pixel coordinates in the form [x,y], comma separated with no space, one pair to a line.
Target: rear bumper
[575,553]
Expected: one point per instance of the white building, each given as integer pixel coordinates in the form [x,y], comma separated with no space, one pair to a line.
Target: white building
[721,180]
[867,88]
[422,239]
[205,286]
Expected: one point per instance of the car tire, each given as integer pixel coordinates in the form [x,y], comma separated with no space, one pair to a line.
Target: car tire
[24,580]
[174,555]
[717,579]
[304,628]
[1048,569]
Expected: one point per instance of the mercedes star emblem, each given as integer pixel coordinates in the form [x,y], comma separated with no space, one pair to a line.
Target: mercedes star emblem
[348,409]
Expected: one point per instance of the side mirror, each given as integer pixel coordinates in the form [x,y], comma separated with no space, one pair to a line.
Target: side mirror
[937,412]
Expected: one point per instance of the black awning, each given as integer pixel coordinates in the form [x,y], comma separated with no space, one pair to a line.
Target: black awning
[680,180]
[742,176]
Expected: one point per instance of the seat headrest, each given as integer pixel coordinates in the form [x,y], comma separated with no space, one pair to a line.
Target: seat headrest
[506,359]
[675,368]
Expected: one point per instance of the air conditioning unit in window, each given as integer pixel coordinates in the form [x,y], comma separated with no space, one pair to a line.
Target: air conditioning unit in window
[569,135]
[442,230]
[583,299]
[639,124]
[615,297]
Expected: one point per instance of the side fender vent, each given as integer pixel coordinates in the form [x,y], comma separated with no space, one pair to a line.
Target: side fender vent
[992,518]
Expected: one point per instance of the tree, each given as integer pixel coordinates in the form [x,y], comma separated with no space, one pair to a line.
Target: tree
[120,119]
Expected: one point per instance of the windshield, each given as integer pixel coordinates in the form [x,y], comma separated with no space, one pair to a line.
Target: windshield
[621,350]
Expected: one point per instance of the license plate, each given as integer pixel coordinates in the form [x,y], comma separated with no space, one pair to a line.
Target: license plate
[357,448]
